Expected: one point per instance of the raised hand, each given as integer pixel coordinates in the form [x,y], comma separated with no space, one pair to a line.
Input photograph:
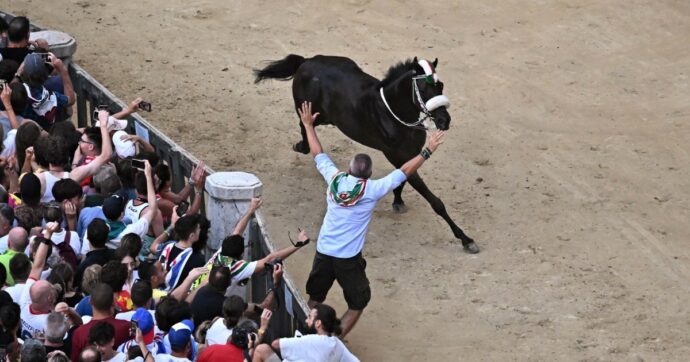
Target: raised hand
[434,140]
[305,114]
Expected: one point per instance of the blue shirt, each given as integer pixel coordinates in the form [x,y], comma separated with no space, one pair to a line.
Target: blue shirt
[345,227]
[86,216]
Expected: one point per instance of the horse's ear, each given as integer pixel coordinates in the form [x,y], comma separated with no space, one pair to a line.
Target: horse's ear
[435,63]
[414,60]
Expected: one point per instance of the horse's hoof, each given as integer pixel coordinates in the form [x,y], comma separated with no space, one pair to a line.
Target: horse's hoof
[471,248]
[300,147]
[399,208]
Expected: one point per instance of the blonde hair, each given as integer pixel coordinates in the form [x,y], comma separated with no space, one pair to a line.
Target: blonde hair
[91,277]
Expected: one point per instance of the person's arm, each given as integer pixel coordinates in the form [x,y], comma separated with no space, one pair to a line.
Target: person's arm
[77,157]
[145,146]
[281,254]
[308,122]
[70,313]
[66,81]
[42,252]
[265,319]
[267,303]
[183,195]
[182,291]
[71,214]
[139,338]
[11,172]
[254,205]
[198,190]
[80,173]
[28,160]
[434,140]
[131,108]
[152,209]
[5,96]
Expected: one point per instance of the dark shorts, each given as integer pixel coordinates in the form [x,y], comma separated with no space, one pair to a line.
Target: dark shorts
[349,273]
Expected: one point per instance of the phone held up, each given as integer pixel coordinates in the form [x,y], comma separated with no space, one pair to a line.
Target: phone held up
[101,107]
[138,164]
[145,106]
[182,208]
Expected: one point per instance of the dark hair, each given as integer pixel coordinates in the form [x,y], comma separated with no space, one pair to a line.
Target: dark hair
[146,270]
[33,351]
[18,97]
[141,293]
[101,333]
[3,274]
[20,267]
[163,172]
[125,172]
[69,135]
[52,212]
[204,227]
[58,283]
[51,150]
[170,311]
[5,299]
[132,244]
[30,189]
[140,183]
[65,271]
[7,213]
[94,135]
[233,246]
[102,297]
[329,321]
[97,232]
[220,278]
[233,308]
[152,157]
[114,274]
[9,316]
[360,166]
[239,336]
[186,225]
[27,134]
[19,29]
[8,68]
[27,217]
[94,356]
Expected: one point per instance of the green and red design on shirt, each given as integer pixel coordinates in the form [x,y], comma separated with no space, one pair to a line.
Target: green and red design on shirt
[346,198]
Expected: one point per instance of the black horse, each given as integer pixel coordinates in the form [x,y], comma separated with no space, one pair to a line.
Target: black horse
[386,115]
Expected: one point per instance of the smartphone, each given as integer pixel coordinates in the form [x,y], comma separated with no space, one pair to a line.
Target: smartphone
[182,208]
[133,328]
[138,164]
[100,107]
[146,106]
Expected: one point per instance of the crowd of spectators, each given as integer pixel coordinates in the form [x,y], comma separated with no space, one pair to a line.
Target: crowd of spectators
[96,263]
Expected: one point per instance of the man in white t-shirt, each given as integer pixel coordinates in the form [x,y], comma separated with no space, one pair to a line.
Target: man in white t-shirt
[351,198]
[322,344]
[6,220]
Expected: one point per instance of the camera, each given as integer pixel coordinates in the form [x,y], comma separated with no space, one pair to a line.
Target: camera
[182,208]
[138,164]
[133,328]
[101,107]
[271,266]
[145,106]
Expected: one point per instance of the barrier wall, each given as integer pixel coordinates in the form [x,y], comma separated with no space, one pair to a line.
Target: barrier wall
[292,310]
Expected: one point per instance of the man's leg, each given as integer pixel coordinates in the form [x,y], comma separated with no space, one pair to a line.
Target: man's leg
[352,277]
[321,279]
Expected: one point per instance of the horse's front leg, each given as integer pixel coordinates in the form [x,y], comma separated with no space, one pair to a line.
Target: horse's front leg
[303,145]
[398,203]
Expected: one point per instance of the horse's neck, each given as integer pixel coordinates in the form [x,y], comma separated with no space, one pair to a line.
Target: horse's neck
[399,98]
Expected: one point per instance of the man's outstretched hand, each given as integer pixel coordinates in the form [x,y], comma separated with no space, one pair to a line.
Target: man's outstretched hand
[435,139]
[305,114]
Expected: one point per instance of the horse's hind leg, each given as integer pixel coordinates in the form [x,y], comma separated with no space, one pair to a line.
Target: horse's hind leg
[440,209]
[398,203]
[303,145]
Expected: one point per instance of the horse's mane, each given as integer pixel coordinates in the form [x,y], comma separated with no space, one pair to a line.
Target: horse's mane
[395,71]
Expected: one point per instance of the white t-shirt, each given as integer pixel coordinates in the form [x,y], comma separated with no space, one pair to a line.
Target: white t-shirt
[141,227]
[10,146]
[344,228]
[74,241]
[218,333]
[170,358]
[15,291]
[31,322]
[4,245]
[315,348]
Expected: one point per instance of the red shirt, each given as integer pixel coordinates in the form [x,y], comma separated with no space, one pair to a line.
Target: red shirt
[87,160]
[221,353]
[80,338]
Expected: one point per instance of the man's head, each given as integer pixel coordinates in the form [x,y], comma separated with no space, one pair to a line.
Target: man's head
[56,327]
[19,31]
[105,180]
[91,278]
[140,184]
[19,97]
[90,354]
[33,351]
[170,311]
[27,217]
[152,272]
[68,189]
[114,274]
[43,296]
[141,294]
[360,166]
[180,337]
[220,278]
[102,335]
[188,227]
[10,316]
[90,142]
[52,212]
[131,244]
[322,320]
[233,308]
[30,189]
[50,150]
[97,232]
[6,219]
[114,207]
[233,246]
[102,298]
[18,239]
[8,68]
[20,267]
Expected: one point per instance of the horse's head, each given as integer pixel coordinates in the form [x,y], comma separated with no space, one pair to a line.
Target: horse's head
[428,93]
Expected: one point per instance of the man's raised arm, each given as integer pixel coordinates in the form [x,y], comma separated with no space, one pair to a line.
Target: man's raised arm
[434,140]
[308,122]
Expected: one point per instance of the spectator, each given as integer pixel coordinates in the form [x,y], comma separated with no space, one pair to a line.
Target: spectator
[66,243]
[20,268]
[181,342]
[165,186]
[152,271]
[8,68]
[221,328]
[208,302]
[28,218]
[18,34]
[322,344]
[169,312]
[14,99]
[45,106]
[91,278]
[72,296]
[114,274]
[6,220]
[180,258]
[146,324]
[141,299]
[27,134]
[103,311]
[9,324]
[240,346]
[89,354]
[33,351]
[102,335]
[70,137]
[136,207]
[350,204]
[17,241]
[126,173]
[97,236]
[122,256]
[58,356]
[105,183]
[56,329]
[68,194]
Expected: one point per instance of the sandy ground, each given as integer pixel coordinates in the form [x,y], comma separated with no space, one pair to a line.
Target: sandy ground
[573,113]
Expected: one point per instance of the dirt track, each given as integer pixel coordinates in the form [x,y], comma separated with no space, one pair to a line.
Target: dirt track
[575,114]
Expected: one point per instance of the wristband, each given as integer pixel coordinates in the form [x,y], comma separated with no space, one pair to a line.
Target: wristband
[425,153]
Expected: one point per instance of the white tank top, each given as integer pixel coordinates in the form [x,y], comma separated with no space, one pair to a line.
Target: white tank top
[134,212]
[50,182]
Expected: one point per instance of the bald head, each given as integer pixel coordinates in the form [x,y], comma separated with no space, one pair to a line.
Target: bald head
[18,239]
[360,166]
[42,295]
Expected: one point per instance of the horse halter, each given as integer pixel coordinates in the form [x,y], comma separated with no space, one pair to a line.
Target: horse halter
[427,107]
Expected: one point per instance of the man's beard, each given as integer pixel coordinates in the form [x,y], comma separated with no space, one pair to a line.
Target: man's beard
[309,329]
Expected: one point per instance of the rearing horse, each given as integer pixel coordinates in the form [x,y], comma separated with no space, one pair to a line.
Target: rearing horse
[386,115]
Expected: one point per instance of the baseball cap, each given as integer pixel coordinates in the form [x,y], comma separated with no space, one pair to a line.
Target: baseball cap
[113,207]
[113,124]
[145,320]
[35,67]
[181,333]
[123,149]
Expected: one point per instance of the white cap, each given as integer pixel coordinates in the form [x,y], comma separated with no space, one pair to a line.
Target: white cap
[123,149]
[114,124]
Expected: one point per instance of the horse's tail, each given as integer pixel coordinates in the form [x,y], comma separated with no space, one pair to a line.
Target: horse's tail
[283,69]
